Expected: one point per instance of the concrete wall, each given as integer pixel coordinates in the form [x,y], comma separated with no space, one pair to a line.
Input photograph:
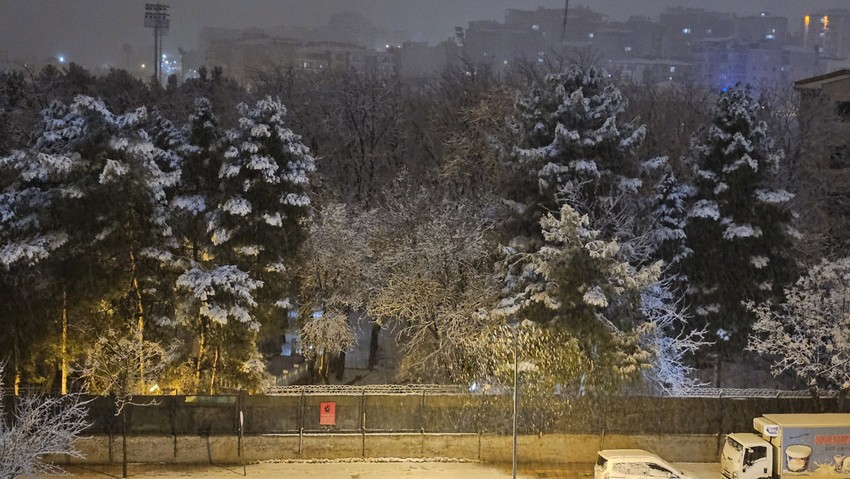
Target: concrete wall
[550,449]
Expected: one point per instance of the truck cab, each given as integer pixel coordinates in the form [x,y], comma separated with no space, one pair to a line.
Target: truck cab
[746,456]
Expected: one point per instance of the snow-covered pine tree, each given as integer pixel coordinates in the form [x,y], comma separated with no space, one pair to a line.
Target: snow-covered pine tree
[589,269]
[259,220]
[259,216]
[615,320]
[572,138]
[89,196]
[189,267]
[738,228]
[37,186]
[668,206]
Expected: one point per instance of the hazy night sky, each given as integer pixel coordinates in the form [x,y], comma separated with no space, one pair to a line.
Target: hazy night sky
[93,32]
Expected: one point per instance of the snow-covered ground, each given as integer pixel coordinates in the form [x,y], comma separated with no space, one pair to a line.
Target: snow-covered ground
[339,470]
[703,470]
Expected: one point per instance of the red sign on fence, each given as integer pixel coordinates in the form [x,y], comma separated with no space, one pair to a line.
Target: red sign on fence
[327,414]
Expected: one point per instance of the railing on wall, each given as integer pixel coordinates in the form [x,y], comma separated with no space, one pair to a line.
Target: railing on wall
[741,393]
[379,389]
[443,389]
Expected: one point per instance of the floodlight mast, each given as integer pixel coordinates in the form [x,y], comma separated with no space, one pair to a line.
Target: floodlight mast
[156,17]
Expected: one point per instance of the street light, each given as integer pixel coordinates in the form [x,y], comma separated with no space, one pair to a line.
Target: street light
[515,324]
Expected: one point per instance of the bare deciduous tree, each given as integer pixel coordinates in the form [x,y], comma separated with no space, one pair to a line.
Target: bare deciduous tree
[808,334]
[38,426]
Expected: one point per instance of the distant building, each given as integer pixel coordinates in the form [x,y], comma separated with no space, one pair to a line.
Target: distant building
[834,86]
[498,44]
[683,29]
[828,167]
[242,58]
[414,60]
[828,32]
[644,70]
[727,62]
[761,28]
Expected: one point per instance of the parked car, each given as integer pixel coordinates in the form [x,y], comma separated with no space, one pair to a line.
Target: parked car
[636,464]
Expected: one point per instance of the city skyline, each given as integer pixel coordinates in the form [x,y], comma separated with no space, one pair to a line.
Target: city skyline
[50,29]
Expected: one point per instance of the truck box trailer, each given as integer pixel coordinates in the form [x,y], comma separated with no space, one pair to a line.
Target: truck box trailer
[789,445]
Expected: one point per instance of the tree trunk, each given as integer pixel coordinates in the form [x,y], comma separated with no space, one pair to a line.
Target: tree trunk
[63,360]
[214,368]
[373,345]
[140,310]
[813,390]
[842,396]
[17,381]
[340,366]
[323,367]
[124,444]
[202,342]
[718,365]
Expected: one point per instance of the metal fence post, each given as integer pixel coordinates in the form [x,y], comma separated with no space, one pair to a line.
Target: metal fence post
[422,412]
[363,423]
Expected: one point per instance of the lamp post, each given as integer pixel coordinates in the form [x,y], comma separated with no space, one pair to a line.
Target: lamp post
[515,324]
[515,327]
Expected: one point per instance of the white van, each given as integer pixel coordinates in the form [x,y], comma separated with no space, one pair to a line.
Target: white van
[635,464]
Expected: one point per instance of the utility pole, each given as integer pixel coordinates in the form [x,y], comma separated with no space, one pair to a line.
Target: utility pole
[156,17]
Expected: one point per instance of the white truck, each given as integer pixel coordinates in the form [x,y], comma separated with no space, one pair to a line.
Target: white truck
[789,446]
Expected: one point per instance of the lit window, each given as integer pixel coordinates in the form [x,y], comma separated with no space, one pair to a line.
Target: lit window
[770,36]
[672,69]
[535,27]
[590,35]
[628,49]
[686,31]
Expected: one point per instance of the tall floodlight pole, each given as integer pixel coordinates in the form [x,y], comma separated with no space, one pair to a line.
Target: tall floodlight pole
[156,17]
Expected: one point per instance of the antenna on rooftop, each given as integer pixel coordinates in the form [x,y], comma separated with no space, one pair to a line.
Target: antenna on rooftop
[566,13]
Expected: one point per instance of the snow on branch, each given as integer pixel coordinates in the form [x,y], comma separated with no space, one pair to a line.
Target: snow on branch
[36,427]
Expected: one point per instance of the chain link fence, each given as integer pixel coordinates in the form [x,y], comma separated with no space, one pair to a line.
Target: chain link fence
[442,409]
